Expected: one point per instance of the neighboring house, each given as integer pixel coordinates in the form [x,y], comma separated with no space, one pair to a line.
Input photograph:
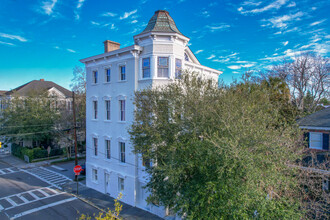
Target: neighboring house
[317,129]
[63,98]
[159,54]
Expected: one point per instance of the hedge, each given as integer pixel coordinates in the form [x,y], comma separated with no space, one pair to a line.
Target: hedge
[34,153]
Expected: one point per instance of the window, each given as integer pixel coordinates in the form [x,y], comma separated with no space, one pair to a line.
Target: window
[186,58]
[122,152]
[122,110]
[316,140]
[146,67]
[108,152]
[95,146]
[162,67]
[178,68]
[94,77]
[107,109]
[121,184]
[94,175]
[95,109]
[107,75]
[122,73]
[146,162]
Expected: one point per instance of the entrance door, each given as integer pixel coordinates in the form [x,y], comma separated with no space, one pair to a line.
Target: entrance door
[107,183]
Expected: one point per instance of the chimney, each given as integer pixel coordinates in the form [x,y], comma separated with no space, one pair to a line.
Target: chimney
[110,46]
[42,80]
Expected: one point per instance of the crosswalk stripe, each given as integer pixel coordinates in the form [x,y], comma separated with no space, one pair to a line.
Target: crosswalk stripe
[52,190]
[33,195]
[42,207]
[1,172]
[42,192]
[11,202]
[23,198]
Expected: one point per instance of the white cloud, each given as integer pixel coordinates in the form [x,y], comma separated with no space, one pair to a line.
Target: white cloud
[253,3]
[48,6]
[285,43]
[222,60]
[77,11]
[134,21]
[127,14]
[234,67]
[71,51]
[248,65]
[206,14]
[80,3]
[95,23]
[210,57]
[217,27]
[282,21]
[13,37]
[198,51]
[317,22]
[108,14]
[292,4]
[57,47]
[6,43]
[273,5]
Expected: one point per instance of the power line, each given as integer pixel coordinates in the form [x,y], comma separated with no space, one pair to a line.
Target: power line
[22,126]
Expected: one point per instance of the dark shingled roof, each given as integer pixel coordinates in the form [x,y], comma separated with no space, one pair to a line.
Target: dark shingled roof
[2,92]
[161,22]
[317,119]
[37,85]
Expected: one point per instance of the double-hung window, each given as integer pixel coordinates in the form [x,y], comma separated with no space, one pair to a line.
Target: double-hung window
[122,106]
[122,151]
[107,110]
[122,73]
[178,68]
[107,75]
[121,185]
[95,109]
[95,146]
[108,148]
[94,175]
[146,67]
[163,67]
[94,77]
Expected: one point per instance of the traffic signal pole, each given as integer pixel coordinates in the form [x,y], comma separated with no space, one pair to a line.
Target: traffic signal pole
[75,132]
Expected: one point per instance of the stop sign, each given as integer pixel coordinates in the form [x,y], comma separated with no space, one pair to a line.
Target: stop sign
[77,169]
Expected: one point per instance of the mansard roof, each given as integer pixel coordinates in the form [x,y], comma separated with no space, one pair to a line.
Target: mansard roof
[161,22]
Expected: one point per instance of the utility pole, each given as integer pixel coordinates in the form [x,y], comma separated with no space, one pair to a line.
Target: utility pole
[75,132]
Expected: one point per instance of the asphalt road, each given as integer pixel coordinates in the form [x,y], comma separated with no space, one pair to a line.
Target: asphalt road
[24,194]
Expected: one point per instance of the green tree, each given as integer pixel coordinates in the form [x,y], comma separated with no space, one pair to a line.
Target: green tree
[32,117]
[218,153]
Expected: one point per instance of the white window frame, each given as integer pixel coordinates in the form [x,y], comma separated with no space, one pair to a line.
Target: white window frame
[95,146]
[122,154]
[313,142]
[146,68]
[121,184]
[163,67]
[95,76]
[107,109]
[95,106]
[106,80]
[122,110]
[94,175]
[107,149]
[178,70]
[121,74]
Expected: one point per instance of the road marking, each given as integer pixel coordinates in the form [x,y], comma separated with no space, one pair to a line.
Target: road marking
[1,208]
[9,171]
[33,195]
[42,192]
[1,172]
[11,201]
[23,198]
[42,207]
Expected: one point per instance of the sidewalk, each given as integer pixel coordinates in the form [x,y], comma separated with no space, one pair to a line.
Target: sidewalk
[103,202]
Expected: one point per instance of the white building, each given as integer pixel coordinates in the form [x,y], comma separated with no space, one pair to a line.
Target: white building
[157,57]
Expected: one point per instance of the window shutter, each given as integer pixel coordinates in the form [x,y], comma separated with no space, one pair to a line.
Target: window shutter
[306,138]
[325,141]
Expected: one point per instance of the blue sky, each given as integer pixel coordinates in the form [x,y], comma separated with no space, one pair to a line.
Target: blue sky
[44,39]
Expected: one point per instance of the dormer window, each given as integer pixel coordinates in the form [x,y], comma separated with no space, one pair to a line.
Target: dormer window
[162,67]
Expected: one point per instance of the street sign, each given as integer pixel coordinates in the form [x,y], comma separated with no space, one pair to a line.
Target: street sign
[77,169]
